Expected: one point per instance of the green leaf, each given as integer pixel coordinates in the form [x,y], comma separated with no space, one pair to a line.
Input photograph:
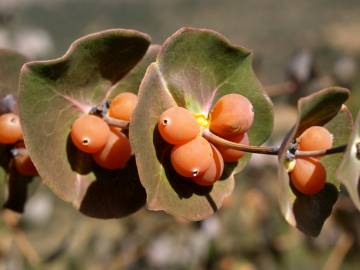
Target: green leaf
[10,65]
[194,69]
[164,188]
[340,127]
[132,80]
[199,66]
[349,170]
[54,93]
[324,108]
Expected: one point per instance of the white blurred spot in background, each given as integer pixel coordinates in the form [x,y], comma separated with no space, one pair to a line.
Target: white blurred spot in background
[34,43]
[345,69]
[11,5]
[39,209]
[4,39]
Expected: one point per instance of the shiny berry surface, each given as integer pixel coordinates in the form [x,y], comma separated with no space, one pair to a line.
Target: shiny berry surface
[116,152]
[123,105]
[308,176]
[89,133]
[177,126]
[214,172]
[10,129]
[192,158]
[315,138]
[232,114]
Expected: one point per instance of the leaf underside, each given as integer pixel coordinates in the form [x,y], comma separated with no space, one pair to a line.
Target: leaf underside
[54,93]
[324,108]
[349,170]
[195,68]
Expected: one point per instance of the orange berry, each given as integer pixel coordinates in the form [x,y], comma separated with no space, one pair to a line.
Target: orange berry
[315,138]
[123,105]
[10,129]
[308,176]
[231,155]
[232,114]
[116,152]
[89,133]
[192,158]
[178,126]
[214,172]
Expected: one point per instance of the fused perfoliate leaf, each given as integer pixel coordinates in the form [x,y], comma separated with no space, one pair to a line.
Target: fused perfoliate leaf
[54,93]
[194,68]
[324,108]
[349,170]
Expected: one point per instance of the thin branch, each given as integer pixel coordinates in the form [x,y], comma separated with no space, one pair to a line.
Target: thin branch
[358,150]
[266,150]
[237,146]
[339,252]
[12,219]
[335,150]
[116,122]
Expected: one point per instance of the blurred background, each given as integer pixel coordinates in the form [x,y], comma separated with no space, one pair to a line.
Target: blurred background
[299,47]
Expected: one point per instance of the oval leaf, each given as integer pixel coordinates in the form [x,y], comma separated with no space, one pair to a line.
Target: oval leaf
[53,94]
[349,170]
[194,69]
[308,213]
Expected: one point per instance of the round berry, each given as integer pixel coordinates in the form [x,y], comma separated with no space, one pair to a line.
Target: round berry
[178,126]
[315,138]
[192,158]
[116,152]
[214,172]
[10,129]
[89,133]
[308,176]
[123,105]
[232,114]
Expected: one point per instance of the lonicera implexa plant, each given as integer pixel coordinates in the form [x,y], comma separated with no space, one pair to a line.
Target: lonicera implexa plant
[17,171]
[117,123]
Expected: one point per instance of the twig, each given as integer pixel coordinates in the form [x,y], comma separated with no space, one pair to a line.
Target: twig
[237,146]
[339,252]
[11,219]
[116,122]
[335,150]
[266,150]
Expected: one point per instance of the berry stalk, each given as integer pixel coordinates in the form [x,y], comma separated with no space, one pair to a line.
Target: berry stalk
[237,146]
[116,122]
[318,153]
[266,150]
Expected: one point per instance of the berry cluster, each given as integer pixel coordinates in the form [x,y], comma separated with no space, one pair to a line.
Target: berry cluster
[309,175]
[11,134]
[192,155]
[109,146]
